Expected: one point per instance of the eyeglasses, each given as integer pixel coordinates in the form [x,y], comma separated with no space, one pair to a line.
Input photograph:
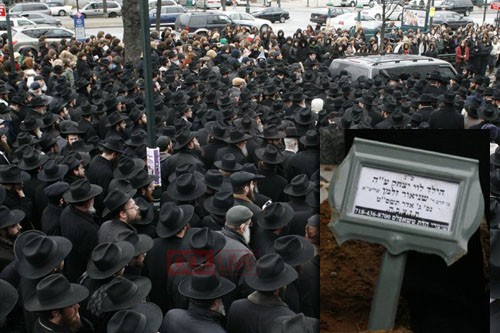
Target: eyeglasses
[133,207]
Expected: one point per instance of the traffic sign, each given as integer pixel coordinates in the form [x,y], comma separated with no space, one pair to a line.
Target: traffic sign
[79,22]
[2,10]
[432,11]
[495,5]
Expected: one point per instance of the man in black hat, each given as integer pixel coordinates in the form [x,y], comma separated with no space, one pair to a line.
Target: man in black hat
[270,160]
[236,259]
[257,312]
[51,215]
[76,169]
[12,179]
[57,302]
[146,317]
[122,210]
[10,228]
[446,117]
[217,206]
[187,150]
[78,225]
[167,249]
[217,133]
[426,106]
[85,124]
[306,161]
[227,165]
[205,289]
[244,184]
[237,145]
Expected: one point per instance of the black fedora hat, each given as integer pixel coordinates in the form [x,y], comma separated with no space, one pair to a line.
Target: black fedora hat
[30,124]
[186,188]
[122,293]
[142,318]
[128,167]
[46,141]
[389,105]
[141,179]
[270,273]
[55,292]
[276,215]
[81,190]
[217,130]
[243,177]
[142,243]
[10,217]
[295,250]
[147,211]
[228,163]
[87,109]
[114,118]
[205,283]
[488,112]
[204,239]
[219,203]
[49,119]
[305,117]
[113,143]
[495,157]
[38,254]
[32,159]
[215,180]
[137,138]
[311,138]
[11,174]
[182,169]
[24,138]
[297,323]
[183,137]
[52,171]
[71,130]
[272,132]
[291,132]
[115,199]
[237,134]
[270,154]
[80,146]
[9,297]
[108,258]
[495,182]
[298,186]
[81,82]
[173,218]
[38,101]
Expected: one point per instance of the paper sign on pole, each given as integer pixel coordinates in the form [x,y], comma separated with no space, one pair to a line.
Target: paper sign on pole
[79,22]
[153,163]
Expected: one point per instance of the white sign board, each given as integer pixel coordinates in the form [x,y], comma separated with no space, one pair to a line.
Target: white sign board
[153,163]
[405,198]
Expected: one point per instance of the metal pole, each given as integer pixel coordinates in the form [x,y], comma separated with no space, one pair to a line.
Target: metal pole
[485,4]
[9,41]
[148,78]
[247,7]
[385,301]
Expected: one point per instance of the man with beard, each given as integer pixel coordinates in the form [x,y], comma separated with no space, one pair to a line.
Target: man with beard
[257,312]
[12,179]
[117,126]
[236,259]
[123,211]
[206,312]
[56,300]
[139,119]
[187,151]
[237,145]
[243,188]
[9,230]
[51,215]
[78,225]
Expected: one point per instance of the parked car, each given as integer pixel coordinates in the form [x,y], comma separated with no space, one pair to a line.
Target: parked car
[96,9]
[58,8]
[208,4]
[15,22]
[346,21]
[354,3]
[320,15]
[272,14]
[28,37]
[40,18]
[248,20]
[392,12]
[450,19]
[27,7]
[200,23]
[464,7]
[153,3]
[167,16]
[390,64]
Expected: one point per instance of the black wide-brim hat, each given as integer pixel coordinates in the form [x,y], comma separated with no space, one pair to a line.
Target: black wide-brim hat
[228,163]
[488,112]
[276,215]
[32,160]
[115,199]
[270,273]
[146,316]
[81,190]
[52,172]
[55,292]
[31,124]
[13,175]
[114,118]
[237,135]
[295,250]
[204,239]
[219,203]
[495,157]
[147,211]
[128,167]
[495,182]
[173,218]
[183,137]
[113,143]
[9,296]
[295,323]
[217,130]
[198,175]
[298,186]
[270,155]
[10,217]
[50,251]
[108,258]
[186,188]
[205,284]
[311,139]
[141,179]
[131,295]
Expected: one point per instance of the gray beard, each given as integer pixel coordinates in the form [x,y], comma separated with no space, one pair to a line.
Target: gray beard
[244,151]
[220,309]
[246,235]
[92,210]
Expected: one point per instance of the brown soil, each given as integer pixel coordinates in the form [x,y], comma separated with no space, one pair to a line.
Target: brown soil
[348,277]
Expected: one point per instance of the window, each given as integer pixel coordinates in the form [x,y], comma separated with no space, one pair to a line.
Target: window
[58,33]
[24,23]
[35,33]
[197,21]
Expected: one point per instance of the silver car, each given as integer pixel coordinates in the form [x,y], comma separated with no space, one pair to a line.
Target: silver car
[96,9]
[28,38]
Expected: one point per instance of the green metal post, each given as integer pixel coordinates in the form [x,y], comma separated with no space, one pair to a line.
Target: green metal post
[148,78]
[385,301]
[9,40]
[247,7]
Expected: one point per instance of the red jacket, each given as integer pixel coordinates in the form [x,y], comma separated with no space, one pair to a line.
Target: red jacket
[458,57]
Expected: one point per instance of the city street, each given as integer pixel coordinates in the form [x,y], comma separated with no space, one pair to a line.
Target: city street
[299,18]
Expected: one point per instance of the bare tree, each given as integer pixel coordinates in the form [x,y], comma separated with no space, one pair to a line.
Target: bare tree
[132,31]
[387,10]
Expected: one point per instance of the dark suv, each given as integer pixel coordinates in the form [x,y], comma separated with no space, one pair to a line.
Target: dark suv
[201,23]
[464,7]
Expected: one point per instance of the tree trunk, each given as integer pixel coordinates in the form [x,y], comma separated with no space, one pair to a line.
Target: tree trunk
[131,16]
